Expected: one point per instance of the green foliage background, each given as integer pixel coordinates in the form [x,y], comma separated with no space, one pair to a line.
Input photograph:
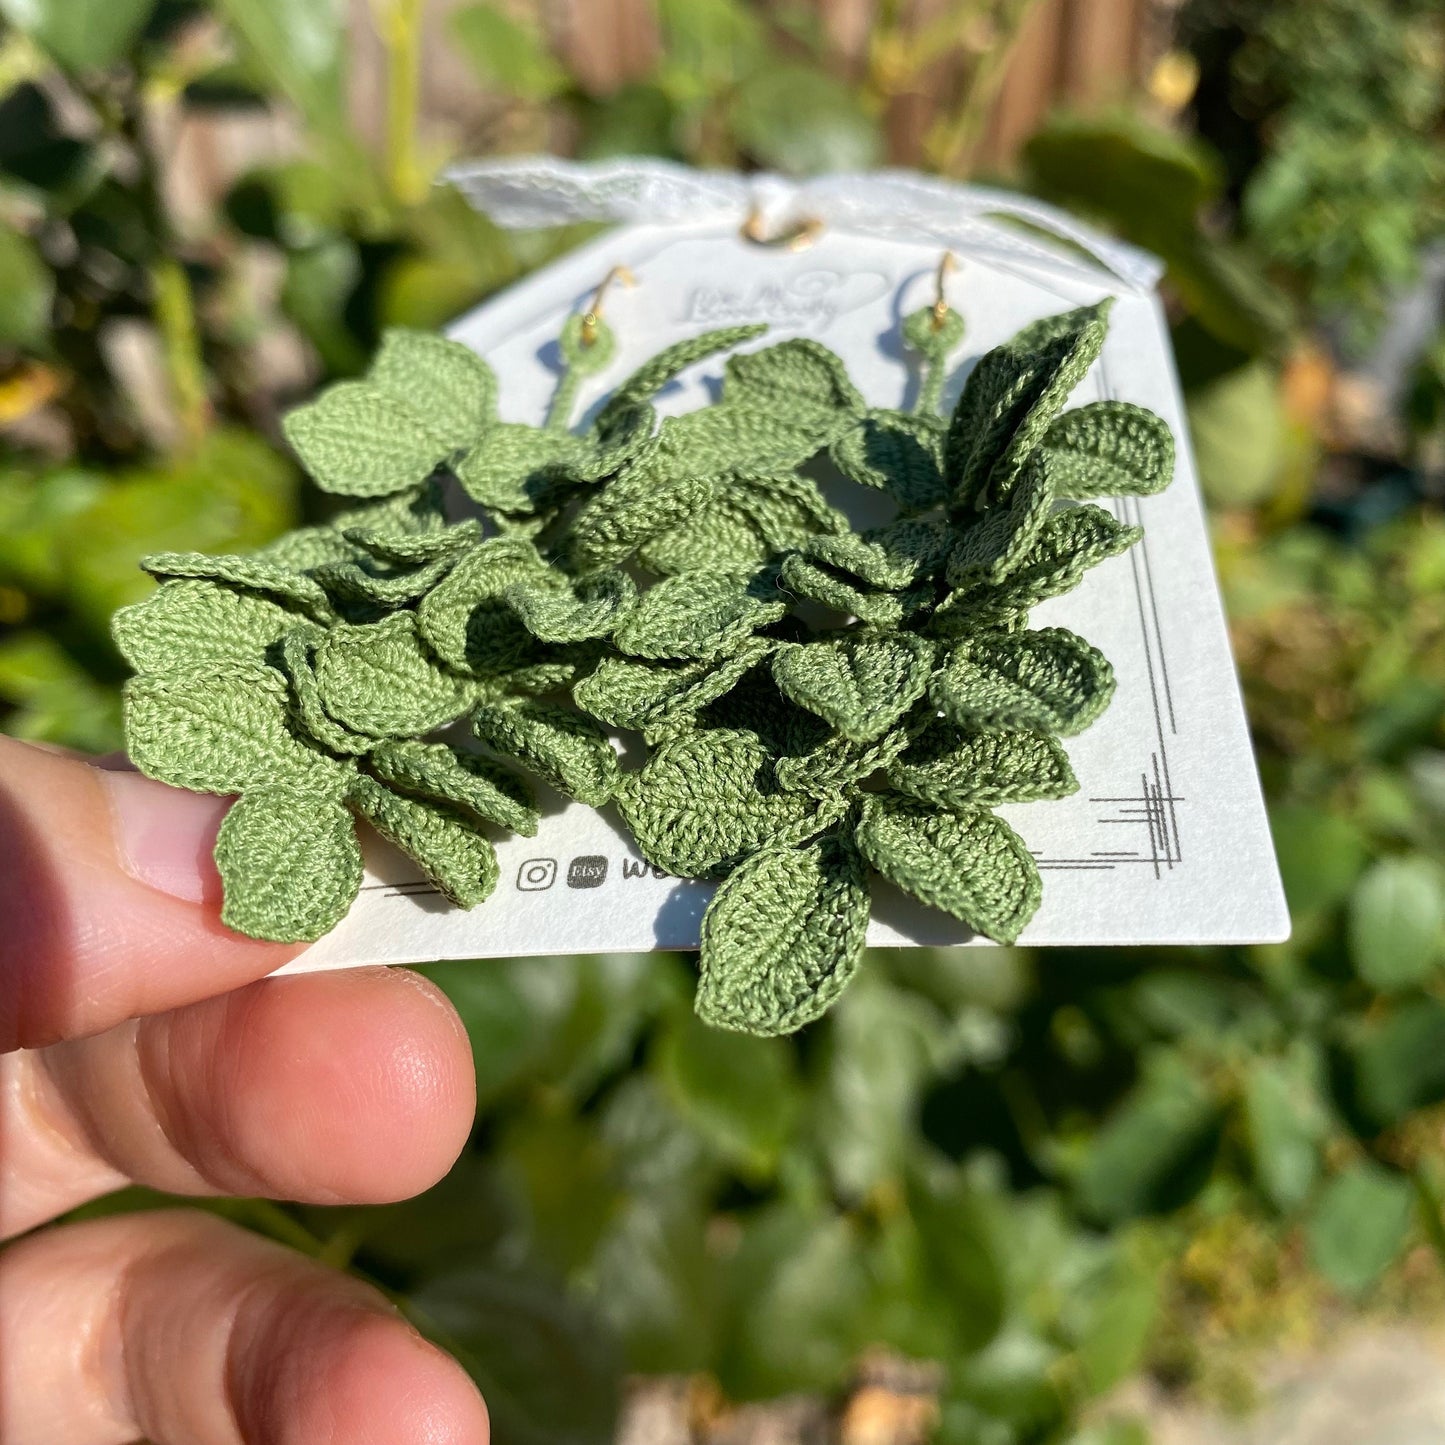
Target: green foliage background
[1046,1171]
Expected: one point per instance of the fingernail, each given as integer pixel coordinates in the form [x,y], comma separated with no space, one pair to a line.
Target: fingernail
[164,836]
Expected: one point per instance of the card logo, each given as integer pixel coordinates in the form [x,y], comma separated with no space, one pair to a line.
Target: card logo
[589,871]
[536,875]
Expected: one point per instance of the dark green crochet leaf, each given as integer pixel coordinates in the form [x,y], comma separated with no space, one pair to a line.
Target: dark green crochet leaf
[289,862]
[516,468]
[463,779]
[782,937]
[832,767]
[669,363]
[552,611]
[996,543]
[697,615]
[380,679]
[891,557]
[970,864]
[652,697]
[799,381]
[932,334]
[252,574]
[820,584]
[221,729]
[190,624]
[1050,680]
[860,684]
[1010,399]
[564,748]
[1110,449]
[308,715]
[441,841]
[465,620]
[1070,542]
[898,453]
[704,800]
[955,768]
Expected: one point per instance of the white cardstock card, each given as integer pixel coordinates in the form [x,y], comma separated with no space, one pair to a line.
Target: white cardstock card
[1166,841]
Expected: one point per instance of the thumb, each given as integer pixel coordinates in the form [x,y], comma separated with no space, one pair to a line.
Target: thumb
[109,900]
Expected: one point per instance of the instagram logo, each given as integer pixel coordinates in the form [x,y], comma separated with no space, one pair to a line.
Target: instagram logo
[537,875]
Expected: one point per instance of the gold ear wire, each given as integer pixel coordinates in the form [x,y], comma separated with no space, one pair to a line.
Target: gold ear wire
[592,316]
[796,237]
[946,263]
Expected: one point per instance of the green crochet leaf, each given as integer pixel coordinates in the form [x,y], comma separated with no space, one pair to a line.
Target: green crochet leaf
[465,620]
[590,608]
[189,624]
[955,768]
[997,542]
[799,381]
[832,768]
[817,583]
[697,615]
[860,684]
[372,585]
[652,697]
[933,335]
[782,937]
[221,729]
[704,800]
[441,841]
[308,715]
[379,679]
[1110,449]
[290,864]
[667,365]
[415,549]
[897,453]
[891,557]
[564,748]
[1010,399]
[516,468]
[970,864]
[1069,543]
[463,779]
[1050,680]
[423,399]
[252,574]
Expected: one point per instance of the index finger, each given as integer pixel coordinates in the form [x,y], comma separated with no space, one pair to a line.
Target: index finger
[109,900]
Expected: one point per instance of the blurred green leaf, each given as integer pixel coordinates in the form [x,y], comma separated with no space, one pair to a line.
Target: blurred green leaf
[1285,1126]
[1397,923]
[1011,1380]
[508,56]
[55,700]
[80,34]
[35,514]
[1238,425]
[1399,1063]
[1359,1225]
[547,1370]
[740,1093]
[1320,853]
[26,291]
[1111,1314]
[796,119]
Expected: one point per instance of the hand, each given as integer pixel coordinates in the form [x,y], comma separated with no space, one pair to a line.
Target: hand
[140,1041]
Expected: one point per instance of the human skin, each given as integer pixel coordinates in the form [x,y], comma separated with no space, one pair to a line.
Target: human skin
[141,1042]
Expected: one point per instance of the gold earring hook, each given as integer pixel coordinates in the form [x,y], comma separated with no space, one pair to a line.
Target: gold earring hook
[592,316]
[946,263]
[796,237]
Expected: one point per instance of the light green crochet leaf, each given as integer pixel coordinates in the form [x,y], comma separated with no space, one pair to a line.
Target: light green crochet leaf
[954,768]
[417,510]
[379,679]
[517,468]
[423,399]
[891,557]
[996,543]
[799,381]
[1049,679]
[443,381]
[704,800]
[189,624]
[1010,399]
[668,364]
[441,841]
[465,621]
[832,767]
[253,574]
[653,697]
[376,586]
[697,615]
[860,684]
[898,453]
[590,608]
[970,864]
[463,779]
[817,583]
[564,748]
[309,717]
[1070,542]
[221,729]
[414,549]
[290,864]
[1110,449]
[782,937]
